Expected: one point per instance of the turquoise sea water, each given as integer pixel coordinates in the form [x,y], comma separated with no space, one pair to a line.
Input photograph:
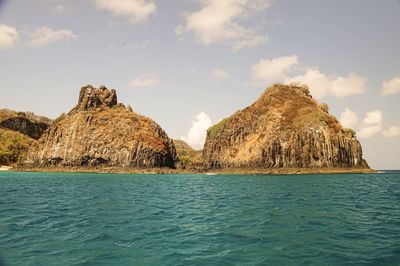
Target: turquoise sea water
[103,219]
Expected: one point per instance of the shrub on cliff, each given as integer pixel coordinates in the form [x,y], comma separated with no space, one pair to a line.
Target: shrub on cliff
[13,146]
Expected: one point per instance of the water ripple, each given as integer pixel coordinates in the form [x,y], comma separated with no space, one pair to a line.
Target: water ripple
[94,219]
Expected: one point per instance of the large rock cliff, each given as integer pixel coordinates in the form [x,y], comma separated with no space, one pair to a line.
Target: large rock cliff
[284,128]
[100,131]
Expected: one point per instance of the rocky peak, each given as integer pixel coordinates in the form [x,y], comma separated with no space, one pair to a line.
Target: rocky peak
[285,127]
[278,94]
[91,97]
[98,131]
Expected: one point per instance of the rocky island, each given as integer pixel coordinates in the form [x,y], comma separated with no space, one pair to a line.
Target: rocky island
[99,131]
[284,131]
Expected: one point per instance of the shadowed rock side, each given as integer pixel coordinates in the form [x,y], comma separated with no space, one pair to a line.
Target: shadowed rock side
[26,123]
[25,126]
[18,131]
[99,131]
[285,127]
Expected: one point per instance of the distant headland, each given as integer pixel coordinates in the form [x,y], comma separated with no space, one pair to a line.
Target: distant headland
[285,131]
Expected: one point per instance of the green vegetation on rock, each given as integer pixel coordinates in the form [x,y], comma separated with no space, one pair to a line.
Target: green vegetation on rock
[215,129]
[13,146]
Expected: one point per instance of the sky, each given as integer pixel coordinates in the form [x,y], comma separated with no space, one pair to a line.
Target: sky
[189,63]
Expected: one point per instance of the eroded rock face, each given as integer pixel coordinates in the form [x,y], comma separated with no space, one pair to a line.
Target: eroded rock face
[99,131]
[90,97]
[285,127]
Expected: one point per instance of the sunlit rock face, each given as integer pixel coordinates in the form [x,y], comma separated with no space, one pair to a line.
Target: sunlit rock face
[101,131]
[285,127]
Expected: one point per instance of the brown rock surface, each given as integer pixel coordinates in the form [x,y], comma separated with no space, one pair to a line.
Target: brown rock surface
[99,131]
[285,127]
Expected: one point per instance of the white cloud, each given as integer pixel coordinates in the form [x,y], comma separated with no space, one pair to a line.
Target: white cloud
[321,84]
[273,70]
[391,87]
[44,36]
[196,135]
[144,81]
[220,74]
[136,11]
[8,36]
[348,119]
[217,21]
[374,117]
[393,131]
[284,69]
[371,125]
[368,131]
[318,82]
[350,85]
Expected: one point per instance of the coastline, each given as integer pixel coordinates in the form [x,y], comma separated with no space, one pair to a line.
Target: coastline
[235,171]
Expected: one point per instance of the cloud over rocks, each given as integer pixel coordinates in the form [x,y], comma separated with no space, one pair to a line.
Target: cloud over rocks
[288,69]
[44,36]
[220,21]
[136,11]
[348,118]
[274,70]
[371,125]
[8,36]
[196,135]
[391,87]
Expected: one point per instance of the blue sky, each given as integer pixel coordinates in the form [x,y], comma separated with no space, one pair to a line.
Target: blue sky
[189,63]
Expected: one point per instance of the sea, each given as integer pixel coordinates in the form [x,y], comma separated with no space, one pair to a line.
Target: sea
[124,219]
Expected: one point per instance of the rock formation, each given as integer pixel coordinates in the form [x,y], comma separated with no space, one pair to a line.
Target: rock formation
[26,123]
[18,131]
[284,128]
[99,131]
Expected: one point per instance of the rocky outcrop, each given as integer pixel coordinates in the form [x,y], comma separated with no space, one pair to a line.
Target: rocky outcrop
[90,97]
[25,126]
[26,123]
[284,128]
[99,131]
[18,132]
